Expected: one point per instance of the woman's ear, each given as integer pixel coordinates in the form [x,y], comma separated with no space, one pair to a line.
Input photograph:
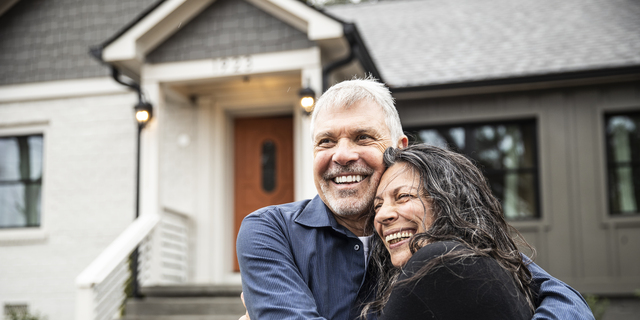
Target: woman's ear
[403,142]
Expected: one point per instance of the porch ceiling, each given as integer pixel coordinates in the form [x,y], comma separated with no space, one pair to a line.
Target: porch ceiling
[269,88]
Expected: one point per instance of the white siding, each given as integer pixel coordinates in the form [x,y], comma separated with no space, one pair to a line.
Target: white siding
[88,196]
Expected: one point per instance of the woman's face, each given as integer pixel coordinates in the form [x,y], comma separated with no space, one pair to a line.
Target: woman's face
[400,211]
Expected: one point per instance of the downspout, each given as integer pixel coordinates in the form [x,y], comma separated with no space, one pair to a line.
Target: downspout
[357,50]
[326,70]
[115,74]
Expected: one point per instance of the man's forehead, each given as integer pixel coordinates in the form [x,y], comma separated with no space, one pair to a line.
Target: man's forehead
[362,107]
[351,130]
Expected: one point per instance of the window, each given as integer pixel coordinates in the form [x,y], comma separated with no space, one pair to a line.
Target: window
[506,153]
[20,181]
[623,162]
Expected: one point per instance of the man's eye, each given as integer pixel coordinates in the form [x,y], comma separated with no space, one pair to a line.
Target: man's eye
[324,142]
[364,137]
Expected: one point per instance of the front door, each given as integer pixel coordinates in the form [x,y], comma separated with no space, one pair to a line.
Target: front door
[263,165]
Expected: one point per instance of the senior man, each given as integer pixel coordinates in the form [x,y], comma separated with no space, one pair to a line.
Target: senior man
[307,259]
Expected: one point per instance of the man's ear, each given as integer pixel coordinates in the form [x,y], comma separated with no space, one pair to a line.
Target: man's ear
[403,142]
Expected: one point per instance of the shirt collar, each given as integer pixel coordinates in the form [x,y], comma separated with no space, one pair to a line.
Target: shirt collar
[316,215]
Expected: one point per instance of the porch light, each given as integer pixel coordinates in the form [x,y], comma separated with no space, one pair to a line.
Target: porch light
[307,99]
[144,113]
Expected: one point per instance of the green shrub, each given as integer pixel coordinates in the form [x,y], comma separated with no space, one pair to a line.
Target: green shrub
[22,314]
[598,305]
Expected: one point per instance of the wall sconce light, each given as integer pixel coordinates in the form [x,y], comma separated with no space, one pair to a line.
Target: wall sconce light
[144,113]
[307,99]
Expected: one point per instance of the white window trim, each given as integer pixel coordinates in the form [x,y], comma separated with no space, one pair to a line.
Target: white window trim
[18,236]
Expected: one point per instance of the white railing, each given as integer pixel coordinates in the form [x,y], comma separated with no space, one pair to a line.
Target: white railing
[163,259]
[164,254]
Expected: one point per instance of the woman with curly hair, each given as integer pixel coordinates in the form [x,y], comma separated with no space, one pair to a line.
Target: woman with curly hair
[443,250]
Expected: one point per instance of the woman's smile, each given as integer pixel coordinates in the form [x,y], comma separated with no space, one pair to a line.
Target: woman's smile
[401,211]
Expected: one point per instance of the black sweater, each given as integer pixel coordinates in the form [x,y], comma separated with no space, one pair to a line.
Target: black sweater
[474,288]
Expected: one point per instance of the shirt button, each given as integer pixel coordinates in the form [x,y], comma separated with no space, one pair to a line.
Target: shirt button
[356,247]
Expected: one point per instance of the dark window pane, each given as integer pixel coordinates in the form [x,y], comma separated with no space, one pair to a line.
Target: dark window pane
[505,152]
[9,159]
[624,189]
[516,193]
[35,157]
[19,205]
[20,181]
[447,138]
[268,166]
[623,148]
[504,146]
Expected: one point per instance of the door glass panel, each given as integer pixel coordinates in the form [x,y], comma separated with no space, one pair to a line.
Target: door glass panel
[268,166]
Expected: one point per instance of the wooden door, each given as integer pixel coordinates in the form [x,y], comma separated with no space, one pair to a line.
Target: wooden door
[263,165]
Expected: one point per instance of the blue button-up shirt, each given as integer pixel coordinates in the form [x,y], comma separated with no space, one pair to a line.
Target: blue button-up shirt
[297,262]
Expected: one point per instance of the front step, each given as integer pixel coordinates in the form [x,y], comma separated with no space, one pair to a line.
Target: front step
[188,302]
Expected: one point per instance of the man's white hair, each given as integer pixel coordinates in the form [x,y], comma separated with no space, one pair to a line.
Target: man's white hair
[347,93]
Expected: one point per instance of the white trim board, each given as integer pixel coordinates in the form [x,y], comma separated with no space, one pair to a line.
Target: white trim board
[232,66]
[129,50]
[316,25]
[60,89]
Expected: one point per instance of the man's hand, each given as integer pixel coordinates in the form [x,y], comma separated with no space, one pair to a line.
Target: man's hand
[246,315]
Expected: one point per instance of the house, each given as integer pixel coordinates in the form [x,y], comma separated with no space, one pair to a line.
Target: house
[545,96]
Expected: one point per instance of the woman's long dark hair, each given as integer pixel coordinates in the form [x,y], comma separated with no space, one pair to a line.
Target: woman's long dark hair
[463,209]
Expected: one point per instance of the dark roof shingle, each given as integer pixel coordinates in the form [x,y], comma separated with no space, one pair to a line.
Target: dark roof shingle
[429,42]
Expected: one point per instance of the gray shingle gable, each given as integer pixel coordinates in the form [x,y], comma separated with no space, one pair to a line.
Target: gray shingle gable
[229,28]
[48,40]
[431,42]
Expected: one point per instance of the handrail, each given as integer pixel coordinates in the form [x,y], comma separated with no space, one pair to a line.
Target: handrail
[90,284]
[117,251]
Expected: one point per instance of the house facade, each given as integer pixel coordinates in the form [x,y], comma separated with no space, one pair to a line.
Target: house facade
[548,107]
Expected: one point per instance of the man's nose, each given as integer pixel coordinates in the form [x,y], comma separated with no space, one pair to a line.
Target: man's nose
[346,152]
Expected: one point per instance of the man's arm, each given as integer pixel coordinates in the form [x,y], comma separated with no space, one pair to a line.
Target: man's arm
[272,284]
[556,299]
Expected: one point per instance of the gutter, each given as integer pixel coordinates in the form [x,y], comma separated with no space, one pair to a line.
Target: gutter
[96,51]
[532,79]
[357,49]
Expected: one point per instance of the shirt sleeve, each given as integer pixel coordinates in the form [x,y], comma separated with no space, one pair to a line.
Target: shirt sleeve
[272,284]
[556,300]
[471,288]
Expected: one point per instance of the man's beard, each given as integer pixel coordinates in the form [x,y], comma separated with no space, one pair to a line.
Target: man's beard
[349,202]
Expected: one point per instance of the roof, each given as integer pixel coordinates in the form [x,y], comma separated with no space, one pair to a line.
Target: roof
[44,40]
[435,42]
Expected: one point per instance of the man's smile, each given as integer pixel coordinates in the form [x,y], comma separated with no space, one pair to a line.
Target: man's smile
[348,179]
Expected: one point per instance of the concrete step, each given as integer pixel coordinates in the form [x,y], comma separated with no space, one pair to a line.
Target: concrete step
[188,302]
[192,291]
[183,317]
[185,306]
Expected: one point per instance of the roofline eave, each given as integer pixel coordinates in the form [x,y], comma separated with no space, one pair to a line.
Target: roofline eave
[523,83]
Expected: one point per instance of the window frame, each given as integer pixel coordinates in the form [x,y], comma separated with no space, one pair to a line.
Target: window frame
[538,216]
[39,234]
[606,115]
